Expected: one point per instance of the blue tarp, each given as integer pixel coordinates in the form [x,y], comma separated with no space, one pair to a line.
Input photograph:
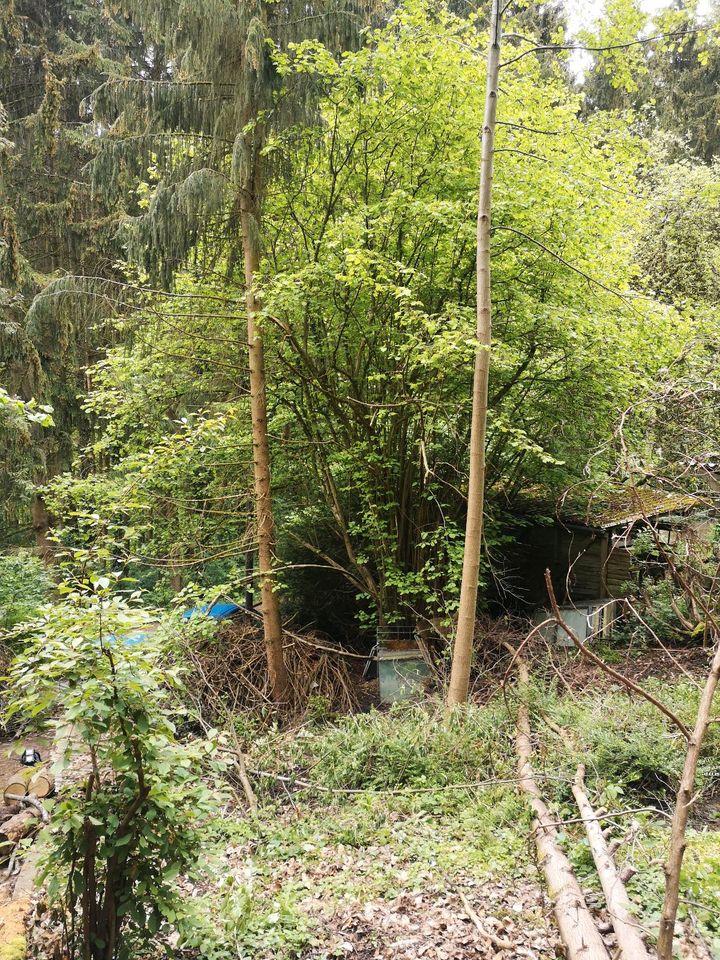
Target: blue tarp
[134,638]
[218,611]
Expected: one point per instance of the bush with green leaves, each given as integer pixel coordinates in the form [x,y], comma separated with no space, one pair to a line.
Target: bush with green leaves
[133,819]
[25,586]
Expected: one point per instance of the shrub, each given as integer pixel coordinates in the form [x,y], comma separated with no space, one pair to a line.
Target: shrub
[25,586]
[120,838]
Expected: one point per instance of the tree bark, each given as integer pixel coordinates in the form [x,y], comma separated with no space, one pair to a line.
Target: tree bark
[683,802]
[462,652]
[14,829]
[41,526]
[625,925]
[272,624]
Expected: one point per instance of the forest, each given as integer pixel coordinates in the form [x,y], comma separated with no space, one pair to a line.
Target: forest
[359,479]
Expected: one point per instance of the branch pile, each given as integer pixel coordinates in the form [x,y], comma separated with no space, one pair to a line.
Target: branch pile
[229,672]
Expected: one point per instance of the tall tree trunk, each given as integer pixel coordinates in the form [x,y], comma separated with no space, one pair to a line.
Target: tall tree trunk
[41,526]
[272,625]
[462,653]
[683,802]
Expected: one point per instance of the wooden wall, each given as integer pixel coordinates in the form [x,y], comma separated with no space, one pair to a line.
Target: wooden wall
[585,565]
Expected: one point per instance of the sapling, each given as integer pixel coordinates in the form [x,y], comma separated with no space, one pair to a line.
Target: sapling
[130,822]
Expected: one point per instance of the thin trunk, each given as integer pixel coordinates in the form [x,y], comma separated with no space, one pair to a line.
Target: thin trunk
[683,802]
[462,653]
[272,625]
[625,925]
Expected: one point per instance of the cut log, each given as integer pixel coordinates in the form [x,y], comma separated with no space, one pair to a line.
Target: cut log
[579,934]
[8,810]
[42,784]
[14,829]
[18,783]
[627,929]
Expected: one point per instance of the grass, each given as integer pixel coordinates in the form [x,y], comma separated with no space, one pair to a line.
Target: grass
[415,818]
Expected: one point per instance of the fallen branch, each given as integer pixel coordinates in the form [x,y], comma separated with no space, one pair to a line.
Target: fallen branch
[577,929]
[500,943]
[624,923]
[606,668]
[30,801]
[242,772]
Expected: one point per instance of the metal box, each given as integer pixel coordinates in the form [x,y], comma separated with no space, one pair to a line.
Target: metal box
[401,674]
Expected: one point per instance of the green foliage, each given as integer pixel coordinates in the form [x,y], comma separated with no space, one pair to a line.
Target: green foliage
[667,85]
[628,746]
[22,423]
[25,586]
[679,250]
[408,746]
[52,55]
[119,837]
[238,925]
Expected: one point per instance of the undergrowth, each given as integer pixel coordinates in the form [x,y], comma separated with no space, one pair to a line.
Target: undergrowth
[363,807]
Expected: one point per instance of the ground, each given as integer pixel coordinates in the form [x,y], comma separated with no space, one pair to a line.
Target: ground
[398,834]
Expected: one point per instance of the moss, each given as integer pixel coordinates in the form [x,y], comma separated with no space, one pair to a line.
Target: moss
[13,941]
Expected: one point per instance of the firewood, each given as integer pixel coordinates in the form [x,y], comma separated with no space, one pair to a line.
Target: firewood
[18,783]
[14,829]
[42,784]
[8,810]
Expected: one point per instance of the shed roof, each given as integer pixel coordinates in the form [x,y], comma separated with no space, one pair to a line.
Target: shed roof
[620,506]
[631,504]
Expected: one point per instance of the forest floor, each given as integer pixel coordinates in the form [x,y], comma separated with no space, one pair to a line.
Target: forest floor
[400,833]
[412,840]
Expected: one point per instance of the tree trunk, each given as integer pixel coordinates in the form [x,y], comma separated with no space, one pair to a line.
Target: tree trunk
[681,813]
[41,526]
[462,653]
[272,625]
[625,925]
[577,929]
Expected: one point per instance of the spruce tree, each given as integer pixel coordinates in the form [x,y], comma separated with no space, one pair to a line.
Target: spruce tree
[208,132]
[53,53]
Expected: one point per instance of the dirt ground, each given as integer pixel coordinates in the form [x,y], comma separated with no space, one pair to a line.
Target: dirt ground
[11,751]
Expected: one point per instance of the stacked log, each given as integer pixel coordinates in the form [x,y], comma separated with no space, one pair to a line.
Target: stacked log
[18,784]
[42,784]
[22,812]
[16,829]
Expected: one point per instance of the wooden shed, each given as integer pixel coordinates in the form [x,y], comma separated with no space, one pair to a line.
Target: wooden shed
[588,551]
